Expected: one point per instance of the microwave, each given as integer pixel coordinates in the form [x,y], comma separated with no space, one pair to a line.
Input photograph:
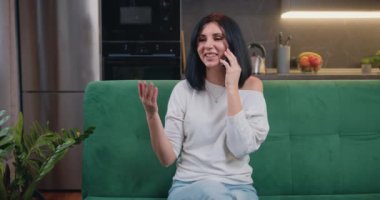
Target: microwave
[140,20]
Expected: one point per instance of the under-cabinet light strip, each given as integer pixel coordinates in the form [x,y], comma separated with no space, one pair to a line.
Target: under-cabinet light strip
[331,15]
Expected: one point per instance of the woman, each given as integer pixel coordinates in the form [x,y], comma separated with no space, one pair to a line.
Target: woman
[215,118]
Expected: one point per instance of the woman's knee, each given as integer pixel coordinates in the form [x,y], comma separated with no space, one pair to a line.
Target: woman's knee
[202,190]
[244,192]
[208,186]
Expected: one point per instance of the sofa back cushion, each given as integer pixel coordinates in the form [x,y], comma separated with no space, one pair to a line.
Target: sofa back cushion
[324,138]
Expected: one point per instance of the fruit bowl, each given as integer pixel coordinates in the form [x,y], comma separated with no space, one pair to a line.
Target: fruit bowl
[309,62]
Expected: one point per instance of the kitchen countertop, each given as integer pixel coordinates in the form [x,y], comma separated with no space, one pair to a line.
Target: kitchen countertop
[323,74]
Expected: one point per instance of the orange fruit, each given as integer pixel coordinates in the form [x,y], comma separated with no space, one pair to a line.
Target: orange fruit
[304,61]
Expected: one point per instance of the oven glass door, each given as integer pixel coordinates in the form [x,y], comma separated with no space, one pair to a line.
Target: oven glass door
[140,20]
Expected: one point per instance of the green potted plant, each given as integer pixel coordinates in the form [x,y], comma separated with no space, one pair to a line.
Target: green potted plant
[366,65]
[376,59]
[6,147]
[35,153]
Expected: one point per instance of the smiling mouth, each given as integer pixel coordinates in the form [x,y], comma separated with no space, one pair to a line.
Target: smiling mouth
[210,55]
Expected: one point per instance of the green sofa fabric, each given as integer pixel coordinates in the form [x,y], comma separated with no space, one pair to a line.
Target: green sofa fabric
[324,142]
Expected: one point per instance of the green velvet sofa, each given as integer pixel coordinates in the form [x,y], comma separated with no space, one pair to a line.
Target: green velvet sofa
[324,142]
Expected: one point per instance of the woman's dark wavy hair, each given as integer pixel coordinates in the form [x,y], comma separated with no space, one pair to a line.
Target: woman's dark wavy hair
[196,70]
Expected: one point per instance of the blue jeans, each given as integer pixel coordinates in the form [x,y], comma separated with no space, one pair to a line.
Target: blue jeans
[210,190]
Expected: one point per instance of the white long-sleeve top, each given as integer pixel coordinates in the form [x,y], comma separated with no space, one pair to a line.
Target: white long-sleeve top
[208,143]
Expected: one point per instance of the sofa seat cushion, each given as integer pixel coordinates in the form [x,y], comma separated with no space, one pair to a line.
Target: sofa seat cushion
[121,198]
[278,197]
[324,197]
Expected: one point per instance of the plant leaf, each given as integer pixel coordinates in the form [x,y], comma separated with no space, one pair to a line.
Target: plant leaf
[3,119]
[90,130]
[6,144]
[4,131]
[49,164]
[18,128]
[38,146]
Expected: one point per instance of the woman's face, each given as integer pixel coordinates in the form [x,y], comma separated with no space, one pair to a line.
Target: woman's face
[211,45]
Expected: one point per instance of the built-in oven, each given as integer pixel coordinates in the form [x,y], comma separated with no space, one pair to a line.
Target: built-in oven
[154,68]
[141,60]
[141,39]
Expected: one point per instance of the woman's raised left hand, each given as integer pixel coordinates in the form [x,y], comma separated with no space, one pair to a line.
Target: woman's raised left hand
[233,71]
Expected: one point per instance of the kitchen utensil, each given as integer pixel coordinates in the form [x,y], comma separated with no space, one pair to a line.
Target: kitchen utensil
[287,42]
[258,61]
[280,38]
[283,59]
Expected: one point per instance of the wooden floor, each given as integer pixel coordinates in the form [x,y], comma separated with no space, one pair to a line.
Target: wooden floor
[60,195]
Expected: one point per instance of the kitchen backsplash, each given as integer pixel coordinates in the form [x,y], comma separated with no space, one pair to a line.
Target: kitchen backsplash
[342,43]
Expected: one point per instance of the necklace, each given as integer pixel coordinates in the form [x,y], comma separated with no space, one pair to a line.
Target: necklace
[215,98]
[215,94]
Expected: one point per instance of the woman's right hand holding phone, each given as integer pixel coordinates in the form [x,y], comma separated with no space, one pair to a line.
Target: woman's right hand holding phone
[148,95]
[233,71]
